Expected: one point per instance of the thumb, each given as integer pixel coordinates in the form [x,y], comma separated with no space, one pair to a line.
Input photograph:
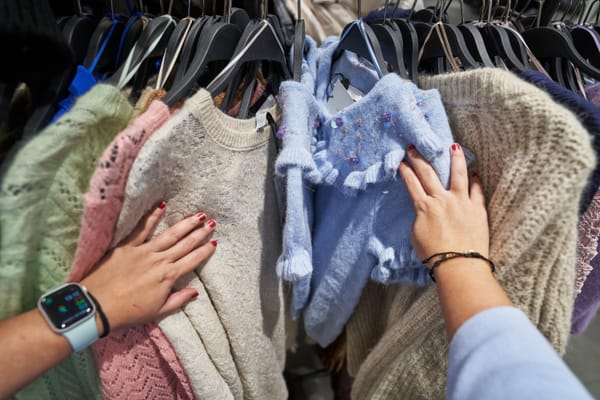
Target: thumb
[177,300]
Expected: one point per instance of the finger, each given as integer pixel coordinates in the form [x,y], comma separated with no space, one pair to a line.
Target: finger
[177,299]
[459,177]
[476,191]
[196,257]
[177,232]
[413,185]
[191,241]
[146,226]
[423,170]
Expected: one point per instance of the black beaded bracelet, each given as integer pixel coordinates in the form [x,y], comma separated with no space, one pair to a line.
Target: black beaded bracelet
[105,324]
[453,254]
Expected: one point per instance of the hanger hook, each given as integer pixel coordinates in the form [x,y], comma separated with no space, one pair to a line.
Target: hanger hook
[112,9]
[299,11]
[79,6]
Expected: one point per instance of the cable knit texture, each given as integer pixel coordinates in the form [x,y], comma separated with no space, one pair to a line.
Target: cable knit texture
[363,214]
[40,208]
[129,361]
[231,339]
[534,158]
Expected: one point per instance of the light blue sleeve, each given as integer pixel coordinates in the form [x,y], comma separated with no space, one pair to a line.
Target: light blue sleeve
[499,354]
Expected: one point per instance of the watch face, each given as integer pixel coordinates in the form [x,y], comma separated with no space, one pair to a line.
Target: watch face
[66,306]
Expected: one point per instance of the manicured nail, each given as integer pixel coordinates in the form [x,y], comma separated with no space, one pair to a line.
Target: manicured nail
[455,147]
[201,216]
[195,295]
[410,147]
[214,243]
[162,205]
[475,175]
[212,223]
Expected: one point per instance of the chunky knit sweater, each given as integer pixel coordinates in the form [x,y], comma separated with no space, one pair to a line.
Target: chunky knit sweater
[534,158]
[41,205]
[231,339]
[129,361]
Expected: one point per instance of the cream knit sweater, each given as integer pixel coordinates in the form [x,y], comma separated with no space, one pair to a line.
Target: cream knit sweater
[231,339]
[534,158]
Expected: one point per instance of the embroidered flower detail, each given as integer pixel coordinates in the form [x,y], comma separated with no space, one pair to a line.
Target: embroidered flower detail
[426,117]
[337,123]
[386,119]
[420,103]
[280,132]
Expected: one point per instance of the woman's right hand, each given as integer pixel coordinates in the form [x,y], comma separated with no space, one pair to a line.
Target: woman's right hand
[446,220]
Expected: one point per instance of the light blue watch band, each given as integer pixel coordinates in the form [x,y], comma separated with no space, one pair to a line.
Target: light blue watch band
[83,334]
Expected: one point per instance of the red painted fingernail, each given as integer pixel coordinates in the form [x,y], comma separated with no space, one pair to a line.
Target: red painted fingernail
[201,217]
[195,295]
[410,147]
[455,146]
[162,205]
[214,243]
[212,223]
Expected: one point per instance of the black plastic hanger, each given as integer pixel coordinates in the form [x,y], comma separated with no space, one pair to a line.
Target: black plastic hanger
[360,39]
[498,44]
[298,45]
[259,42]
[189,47]
[104,41]
[433,50]
[587,43]
[389,37]
[175,39]
[476,44]
[549,43]
[151,44]
[217,42]
[131,33]
[78,31]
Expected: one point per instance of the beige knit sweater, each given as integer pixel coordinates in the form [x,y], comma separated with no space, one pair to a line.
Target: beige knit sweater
[534,158]
[231,339]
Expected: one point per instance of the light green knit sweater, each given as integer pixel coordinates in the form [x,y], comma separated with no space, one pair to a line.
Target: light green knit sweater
[534,158]
[43,182]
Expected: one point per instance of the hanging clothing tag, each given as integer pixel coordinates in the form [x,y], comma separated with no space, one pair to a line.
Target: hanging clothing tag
[355,93]
[261,114]
[340,98]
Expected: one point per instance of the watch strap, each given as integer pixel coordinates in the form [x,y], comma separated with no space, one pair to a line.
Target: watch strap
[83,335]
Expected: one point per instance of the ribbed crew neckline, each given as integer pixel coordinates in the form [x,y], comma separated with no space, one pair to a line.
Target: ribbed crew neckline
[232,133]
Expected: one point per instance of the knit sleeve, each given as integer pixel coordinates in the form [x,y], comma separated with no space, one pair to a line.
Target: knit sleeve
[296,164]
[498,354]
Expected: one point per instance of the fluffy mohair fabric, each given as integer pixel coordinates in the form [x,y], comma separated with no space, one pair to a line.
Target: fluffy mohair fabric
[41,198]
[534,158]
[231,339]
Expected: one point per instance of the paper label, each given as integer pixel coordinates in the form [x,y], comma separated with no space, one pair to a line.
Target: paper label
[340,98]
[355,94]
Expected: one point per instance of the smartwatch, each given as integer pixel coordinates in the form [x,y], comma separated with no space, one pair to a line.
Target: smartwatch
[70,311]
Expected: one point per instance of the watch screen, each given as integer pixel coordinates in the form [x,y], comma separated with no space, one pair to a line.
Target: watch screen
[66,306]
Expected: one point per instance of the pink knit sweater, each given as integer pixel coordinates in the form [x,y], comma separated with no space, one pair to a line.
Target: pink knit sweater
[137,363]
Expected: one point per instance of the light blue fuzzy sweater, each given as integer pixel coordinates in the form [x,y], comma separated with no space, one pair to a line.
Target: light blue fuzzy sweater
[348,214]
